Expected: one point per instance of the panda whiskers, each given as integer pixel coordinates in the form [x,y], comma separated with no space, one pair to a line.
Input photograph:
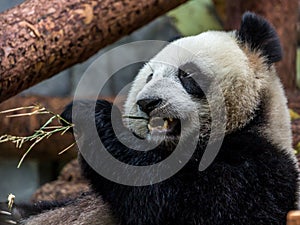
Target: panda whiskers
[135,117]
[148,64]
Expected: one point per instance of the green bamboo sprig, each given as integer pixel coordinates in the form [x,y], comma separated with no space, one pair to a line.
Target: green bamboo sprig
[44,132]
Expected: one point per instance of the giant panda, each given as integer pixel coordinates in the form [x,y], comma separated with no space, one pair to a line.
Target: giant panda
[252,180]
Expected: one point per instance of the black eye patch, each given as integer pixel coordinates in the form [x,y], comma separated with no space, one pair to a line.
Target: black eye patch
[149,77]
[193,80]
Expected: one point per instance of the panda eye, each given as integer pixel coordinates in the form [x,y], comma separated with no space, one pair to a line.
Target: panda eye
[149,77]
[193,80]
[184,73]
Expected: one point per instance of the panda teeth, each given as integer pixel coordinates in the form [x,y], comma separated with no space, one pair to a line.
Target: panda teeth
[149,127]
[162,127]
[166,124]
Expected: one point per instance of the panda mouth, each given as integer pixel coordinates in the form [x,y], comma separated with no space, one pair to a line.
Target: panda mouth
[163,125]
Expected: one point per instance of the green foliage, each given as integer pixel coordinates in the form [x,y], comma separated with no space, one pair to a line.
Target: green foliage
[44,132]
[194,17]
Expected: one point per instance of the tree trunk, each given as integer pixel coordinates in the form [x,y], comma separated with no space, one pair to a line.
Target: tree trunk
[40,38]
[283,15]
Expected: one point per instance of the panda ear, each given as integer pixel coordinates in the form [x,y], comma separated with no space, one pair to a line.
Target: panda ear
[259,34]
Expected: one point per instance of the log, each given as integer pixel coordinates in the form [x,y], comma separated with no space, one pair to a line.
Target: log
[294,100]
[294,104]
[40,38]
[69,184]
[293,218]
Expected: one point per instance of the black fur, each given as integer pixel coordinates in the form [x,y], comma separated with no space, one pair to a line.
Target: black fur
[149,77]
[259,34]
[193,80]
[250,182]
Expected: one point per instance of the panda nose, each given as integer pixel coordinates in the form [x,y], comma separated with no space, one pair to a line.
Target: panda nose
[148,104]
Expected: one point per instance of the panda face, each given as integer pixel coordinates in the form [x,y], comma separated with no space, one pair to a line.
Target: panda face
[175,90]
[171,90]
[166,110]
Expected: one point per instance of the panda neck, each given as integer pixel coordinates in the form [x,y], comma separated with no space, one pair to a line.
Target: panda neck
[272,119]
[278,127]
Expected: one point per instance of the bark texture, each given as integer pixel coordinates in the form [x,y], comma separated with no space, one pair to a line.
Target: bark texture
[40,38]
[69,184]
[294,104]
[293,218]
[283,15]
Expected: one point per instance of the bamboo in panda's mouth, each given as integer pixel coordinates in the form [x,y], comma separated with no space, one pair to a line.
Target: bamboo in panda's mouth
[135,117]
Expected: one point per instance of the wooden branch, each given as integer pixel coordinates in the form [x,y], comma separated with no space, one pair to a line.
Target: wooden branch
[294,104]
[293,218]
[40,38]
[69,184]
[294,100]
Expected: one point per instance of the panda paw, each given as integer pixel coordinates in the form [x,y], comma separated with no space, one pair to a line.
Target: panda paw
[86,113]
[85,107]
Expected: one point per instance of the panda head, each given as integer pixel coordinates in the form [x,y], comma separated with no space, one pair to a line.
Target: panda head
[173,86]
